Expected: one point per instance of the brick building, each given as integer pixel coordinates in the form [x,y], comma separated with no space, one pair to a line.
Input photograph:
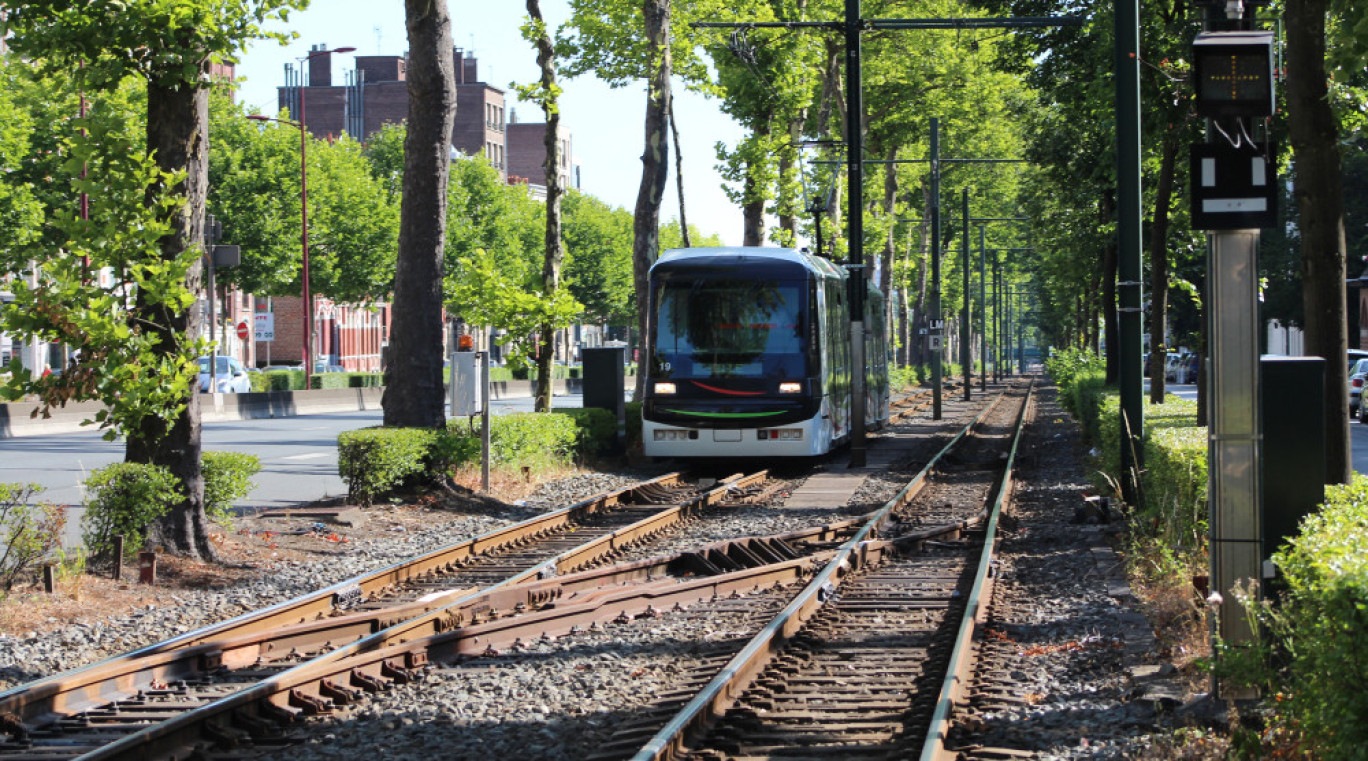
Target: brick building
[376,94]
[527,154]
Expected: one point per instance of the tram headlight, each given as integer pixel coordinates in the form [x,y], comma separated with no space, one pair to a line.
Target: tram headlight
[665,388]
[790,387]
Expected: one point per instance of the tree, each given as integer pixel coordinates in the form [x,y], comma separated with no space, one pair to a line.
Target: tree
[546,94]
[413,397]
[598,266]
[168,44]
[19,205]
[621,42]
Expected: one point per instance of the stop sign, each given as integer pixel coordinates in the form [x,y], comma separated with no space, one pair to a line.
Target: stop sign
[243,331]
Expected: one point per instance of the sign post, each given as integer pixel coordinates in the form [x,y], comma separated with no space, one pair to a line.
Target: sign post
[1233,195]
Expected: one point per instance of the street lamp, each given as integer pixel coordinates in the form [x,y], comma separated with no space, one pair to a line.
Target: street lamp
[304,215]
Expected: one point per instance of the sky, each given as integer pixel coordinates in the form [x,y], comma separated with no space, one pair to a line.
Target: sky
[606,124]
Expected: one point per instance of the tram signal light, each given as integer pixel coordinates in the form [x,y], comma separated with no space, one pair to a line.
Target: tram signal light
[1233,72]
[465,343]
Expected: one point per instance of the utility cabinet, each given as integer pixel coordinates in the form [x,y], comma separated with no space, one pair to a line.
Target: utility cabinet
[1293,460]
[604,371]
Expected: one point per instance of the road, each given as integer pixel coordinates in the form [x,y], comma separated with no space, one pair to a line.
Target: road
[298,456]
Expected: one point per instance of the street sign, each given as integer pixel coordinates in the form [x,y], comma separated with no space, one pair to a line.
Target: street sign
[265,326]
[242,331]
[1233,188]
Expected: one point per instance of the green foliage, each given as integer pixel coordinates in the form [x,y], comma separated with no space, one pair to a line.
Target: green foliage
[1316,629]
[374,461]
[125,498]
[902,377]
[353,213]
[345,380]
[1175,478]
[524,439]
[1080,375]
[28,533]
[139,369]
[633,416]
[277,380]
[598,258]
[597,429]
[227,478]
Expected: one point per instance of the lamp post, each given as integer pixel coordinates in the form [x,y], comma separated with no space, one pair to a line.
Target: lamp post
[304,214]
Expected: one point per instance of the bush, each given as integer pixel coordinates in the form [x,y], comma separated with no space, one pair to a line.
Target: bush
[597,429]
[227,478]
[28,533]
[1320,622]
[521,439]
[902,378]
[346,380]
[125,498]
[374,461]
[278,380]
[633,416]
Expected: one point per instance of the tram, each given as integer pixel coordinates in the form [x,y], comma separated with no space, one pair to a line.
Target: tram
[749,355]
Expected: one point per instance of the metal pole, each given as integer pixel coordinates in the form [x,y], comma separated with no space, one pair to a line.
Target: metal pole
[484,422]
[966,339]
[855,258]
[1003,320]
[933,331]
[983,310]
[307,306]
[1129,285]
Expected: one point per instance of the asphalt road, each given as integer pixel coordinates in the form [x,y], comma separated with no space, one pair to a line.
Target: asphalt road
[298,455]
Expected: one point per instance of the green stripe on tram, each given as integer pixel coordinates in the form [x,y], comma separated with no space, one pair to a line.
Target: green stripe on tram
[727,414]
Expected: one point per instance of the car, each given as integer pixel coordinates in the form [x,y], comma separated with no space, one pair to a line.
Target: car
[280,368]
[230,377]
[1358,375]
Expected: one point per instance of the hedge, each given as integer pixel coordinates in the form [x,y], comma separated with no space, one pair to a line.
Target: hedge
[374,461]
[1320,625]
[346,380]
[597,429]
[227,478]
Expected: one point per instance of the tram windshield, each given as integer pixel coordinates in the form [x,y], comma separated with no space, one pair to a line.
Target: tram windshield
[713,328]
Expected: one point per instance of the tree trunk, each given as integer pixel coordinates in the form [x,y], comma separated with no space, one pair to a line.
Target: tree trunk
[890,198]
[178,139]
[753,195]
[679,176]
[1163,195]
[554,253]
[1319,193]
[655,169]
[413,396]
[1107,212]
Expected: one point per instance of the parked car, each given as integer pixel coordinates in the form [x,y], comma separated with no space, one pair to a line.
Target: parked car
[1358,375]
[1186,371]
[276,368]
[230,377]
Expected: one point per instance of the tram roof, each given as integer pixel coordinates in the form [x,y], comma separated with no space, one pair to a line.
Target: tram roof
[732,256]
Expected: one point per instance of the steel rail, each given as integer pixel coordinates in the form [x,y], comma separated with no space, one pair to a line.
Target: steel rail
[861,549]
[307,616]
[111,680]
[344,675]
[957,676]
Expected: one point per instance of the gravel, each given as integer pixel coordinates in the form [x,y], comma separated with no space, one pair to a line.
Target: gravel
[1067,649]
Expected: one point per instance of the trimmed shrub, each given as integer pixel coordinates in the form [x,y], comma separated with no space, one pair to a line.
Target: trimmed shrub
[632,414]
[346,380]
[278,380]
[597,429]
[516,440]
[1320,623]
[227,478]
[125,498]
[28,533]
[374,461]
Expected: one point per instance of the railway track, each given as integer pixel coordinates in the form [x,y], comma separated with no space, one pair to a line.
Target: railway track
[499,574]
[866,661]
[244,684]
